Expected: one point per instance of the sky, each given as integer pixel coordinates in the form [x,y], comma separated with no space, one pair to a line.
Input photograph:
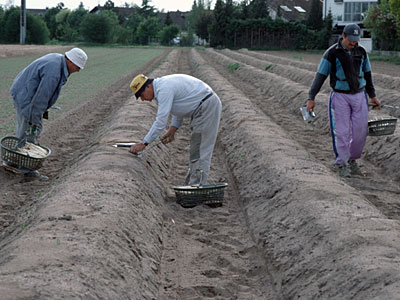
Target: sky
[167,5]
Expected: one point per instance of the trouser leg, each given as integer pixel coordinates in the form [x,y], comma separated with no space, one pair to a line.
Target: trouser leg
[340,127]
[22,127]
[204,125]
[359,121]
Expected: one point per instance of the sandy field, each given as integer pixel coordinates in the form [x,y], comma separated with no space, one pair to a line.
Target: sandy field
[107,225]
[22,50]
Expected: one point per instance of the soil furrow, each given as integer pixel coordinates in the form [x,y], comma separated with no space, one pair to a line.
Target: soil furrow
[208,252]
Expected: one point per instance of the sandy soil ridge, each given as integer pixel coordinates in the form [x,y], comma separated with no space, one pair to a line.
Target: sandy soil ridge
[108,227]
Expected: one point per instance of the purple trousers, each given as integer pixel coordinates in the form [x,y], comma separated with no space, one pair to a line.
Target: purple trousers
[348,115]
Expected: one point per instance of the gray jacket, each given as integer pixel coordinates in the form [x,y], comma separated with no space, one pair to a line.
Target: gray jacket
[37,87]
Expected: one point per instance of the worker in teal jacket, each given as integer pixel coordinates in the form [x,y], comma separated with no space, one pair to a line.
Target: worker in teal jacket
[348,66]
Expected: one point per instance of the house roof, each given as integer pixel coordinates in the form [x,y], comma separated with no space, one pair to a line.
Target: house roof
[35,11]
[291,10]
[177,17]
[124,12]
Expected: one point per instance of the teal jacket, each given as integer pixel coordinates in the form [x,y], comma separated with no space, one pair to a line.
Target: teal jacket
[349,71]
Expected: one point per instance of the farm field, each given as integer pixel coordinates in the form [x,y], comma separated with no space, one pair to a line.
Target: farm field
[106,225]
[104,68]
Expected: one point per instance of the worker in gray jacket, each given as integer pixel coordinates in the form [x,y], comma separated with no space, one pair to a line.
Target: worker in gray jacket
[182,96]
[36,88]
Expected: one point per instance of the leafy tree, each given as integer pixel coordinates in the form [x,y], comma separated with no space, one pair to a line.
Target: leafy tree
[244,12]
[218,26]
[194,14]
[76,16]
[324,35]
[314,20]
[203,24]
[187,40]
[147,10]
[114,23]
[36,30]
[109,5]
[132,25]
[11,25]
[168,33]
[63,30]
[382,25]
[168,20]
[395,9]
[1,23]
[147,30]
[258,9]
[122,35]
[96,28]
[50,19]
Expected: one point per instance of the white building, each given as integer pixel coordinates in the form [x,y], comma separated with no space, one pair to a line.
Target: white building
[349,11]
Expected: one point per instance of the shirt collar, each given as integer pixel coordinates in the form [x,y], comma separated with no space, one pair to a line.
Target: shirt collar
[64,66]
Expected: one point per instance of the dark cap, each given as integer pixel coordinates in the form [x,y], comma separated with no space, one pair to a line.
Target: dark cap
[352,31]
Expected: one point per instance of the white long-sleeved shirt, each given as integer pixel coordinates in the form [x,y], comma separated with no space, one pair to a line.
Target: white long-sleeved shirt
[178,94]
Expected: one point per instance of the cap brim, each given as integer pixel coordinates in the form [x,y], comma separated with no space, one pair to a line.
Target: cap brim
[354,38]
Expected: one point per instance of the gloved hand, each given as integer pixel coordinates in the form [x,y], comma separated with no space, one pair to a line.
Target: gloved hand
[31,131]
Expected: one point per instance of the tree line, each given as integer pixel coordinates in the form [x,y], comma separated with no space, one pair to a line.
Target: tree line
[64,25]
[244,23]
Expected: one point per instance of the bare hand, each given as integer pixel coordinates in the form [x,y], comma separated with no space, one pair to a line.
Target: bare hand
[310,105]
[376,102]
[137,148]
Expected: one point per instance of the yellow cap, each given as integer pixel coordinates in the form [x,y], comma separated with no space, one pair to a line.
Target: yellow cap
[138,84]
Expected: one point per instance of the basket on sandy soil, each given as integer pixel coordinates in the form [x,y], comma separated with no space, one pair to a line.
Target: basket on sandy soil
[10,154]
[382,126]
[210,194]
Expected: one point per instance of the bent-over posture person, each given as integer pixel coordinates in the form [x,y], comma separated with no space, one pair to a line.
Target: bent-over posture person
[36,88]
[348,66]
[182,96]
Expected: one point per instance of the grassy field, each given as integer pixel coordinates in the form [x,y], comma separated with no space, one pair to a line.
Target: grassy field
[105,66]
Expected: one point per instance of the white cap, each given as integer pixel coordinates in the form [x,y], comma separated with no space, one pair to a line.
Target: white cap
[77,56]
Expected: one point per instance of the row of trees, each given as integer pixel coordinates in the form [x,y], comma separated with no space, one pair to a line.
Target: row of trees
[64,25]
[248,24]
[229,24]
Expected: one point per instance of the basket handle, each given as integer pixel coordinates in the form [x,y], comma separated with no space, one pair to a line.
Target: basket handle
[21,143]
[201,176]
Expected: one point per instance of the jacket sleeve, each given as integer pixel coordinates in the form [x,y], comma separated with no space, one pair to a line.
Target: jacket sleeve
[323,71]
[369,87]
[164,108]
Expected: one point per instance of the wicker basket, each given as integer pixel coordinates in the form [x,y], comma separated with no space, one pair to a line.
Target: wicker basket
[210,194]
[9,154]
[381,127]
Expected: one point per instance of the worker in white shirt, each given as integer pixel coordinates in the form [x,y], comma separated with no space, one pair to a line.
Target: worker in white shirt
[182,96]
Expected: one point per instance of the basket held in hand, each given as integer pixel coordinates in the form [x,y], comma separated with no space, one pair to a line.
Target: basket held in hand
[381,127]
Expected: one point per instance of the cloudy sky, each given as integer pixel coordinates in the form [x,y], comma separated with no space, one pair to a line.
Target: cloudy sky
[167,5]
